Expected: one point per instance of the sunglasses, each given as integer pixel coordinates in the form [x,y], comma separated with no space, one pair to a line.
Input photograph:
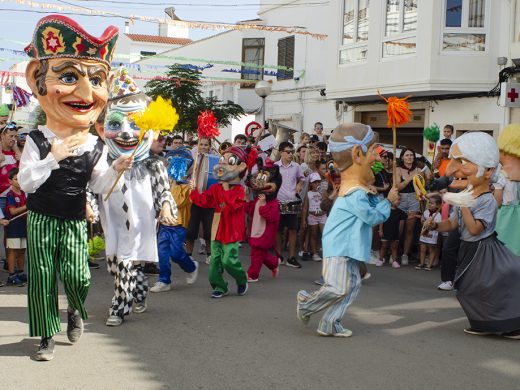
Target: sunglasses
[9,126]
[289,151]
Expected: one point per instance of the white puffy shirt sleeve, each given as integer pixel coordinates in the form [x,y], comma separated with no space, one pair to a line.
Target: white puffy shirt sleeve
[103,175]
[33,171]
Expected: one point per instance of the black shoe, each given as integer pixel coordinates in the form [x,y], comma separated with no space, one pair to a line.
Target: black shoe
[292,262]
[74,325]
[22,276]
[151,269]
[45,351]
[14,280]
[93,265]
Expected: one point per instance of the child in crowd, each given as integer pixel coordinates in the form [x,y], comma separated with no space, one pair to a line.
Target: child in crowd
[16,232]
[428,240]
[312,214]
[3,222]
[389,232]
[322,171]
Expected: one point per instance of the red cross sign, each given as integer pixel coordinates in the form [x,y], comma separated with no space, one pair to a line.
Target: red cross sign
[510,95]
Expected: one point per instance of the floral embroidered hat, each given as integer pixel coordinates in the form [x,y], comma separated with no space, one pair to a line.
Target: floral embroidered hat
[57,36]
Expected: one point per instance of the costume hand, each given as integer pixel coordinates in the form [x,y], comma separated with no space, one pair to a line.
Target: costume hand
[393,195]
[4,222]
[261,199]
[66,148]
[166,217]
[193,185]
[123,163]
[17,153]
[91,217]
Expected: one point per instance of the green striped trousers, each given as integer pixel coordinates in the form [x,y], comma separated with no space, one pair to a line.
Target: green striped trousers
[55,246]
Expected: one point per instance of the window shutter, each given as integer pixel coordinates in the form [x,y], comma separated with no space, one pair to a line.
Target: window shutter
[285,57]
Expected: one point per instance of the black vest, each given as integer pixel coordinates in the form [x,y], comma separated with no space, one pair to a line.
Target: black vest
[63,195]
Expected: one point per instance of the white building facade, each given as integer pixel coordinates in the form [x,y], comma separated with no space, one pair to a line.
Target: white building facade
[445,54]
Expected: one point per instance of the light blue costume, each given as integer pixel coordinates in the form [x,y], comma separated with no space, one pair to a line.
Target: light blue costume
[346,241]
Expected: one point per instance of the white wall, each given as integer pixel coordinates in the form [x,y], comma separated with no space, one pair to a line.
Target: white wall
[429,71]
[133,48]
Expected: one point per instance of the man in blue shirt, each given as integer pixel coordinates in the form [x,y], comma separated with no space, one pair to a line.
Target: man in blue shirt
[348,231]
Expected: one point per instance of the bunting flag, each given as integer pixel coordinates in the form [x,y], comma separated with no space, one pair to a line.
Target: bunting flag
[188,24]
[21,97]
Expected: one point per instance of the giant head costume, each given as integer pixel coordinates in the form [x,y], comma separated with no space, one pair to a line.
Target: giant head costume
[509,146]
[69,72]
[352,146]
[267,180]
[474,158]
[233,164]
[121,133]
[180,162]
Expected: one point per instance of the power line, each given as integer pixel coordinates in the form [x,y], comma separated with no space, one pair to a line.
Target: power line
[203,5]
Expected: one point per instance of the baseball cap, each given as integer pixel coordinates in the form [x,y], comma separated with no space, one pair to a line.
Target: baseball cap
[314,176]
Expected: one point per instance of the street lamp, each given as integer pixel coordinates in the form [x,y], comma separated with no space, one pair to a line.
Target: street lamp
[263,89]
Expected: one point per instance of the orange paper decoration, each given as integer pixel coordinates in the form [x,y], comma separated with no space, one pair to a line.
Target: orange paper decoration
[398,110]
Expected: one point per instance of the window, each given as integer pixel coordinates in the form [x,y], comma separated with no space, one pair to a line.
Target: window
[252,52]
[145,54]
[355,31]
[400,28]
[285,58]
[465,25]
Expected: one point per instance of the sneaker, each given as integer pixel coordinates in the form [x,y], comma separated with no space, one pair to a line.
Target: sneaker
[45,351]
[151,269]
[514,335]
[14,280]
[161,287]
[344,333]
[22,276]
[428,268]
[395,264]
[404,260]
[218,294]
[275,272]
[251,280]
[379,263]
[419,266]
[114,321]
[208,259]
[292,262]
[320,281]
[202,249]
[140,307]
[303,318]
[476,332]
[445,286]
[2,284]
[316,257]
[191,278]
[241,290]
[366,276]
[93,265]
[74,325]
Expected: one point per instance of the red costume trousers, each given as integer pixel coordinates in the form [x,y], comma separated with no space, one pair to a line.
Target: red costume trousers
[261,256]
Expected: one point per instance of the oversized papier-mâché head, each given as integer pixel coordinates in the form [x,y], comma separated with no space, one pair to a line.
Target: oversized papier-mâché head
[234,164]
[180,162]
[69,72]
[122,135]
[267,180]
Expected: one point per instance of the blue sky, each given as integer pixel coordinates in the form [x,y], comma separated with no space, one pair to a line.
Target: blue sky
[19,25]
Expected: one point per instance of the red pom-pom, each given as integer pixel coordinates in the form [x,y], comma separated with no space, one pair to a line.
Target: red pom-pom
[207,125]
[251,158]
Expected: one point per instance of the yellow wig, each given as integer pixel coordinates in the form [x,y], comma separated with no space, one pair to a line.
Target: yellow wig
[509,140]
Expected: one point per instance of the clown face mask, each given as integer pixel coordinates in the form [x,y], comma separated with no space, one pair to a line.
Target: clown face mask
[230,168]
[121,133]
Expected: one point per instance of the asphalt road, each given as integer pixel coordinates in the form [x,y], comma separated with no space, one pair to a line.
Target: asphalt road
[407,335]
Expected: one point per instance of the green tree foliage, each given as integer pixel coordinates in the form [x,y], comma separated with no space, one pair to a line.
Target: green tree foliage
[183,86]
